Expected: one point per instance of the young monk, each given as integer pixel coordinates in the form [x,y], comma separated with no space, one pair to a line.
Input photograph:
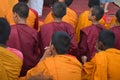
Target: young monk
[56,62]
[24,38]
[105,64]
[84,22]
[89,34]
[116,30]
[46,31]
[6,12]
[70,17]
[11,60]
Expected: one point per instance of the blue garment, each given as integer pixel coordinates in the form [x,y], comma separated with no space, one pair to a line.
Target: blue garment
[104,1]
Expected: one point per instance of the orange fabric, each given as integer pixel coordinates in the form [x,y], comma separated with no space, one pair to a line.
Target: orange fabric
[83,22]
[32,19]
[70,17]
[11,63]
[59,67]
[104,66]
[113,22]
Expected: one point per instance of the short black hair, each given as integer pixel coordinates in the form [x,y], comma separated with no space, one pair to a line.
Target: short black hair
[68,2]
[4,30]
[107,37]
[61,41]
[21,9]
[92,3]
[23,1]
[118,15]
[98,12]
[59,9]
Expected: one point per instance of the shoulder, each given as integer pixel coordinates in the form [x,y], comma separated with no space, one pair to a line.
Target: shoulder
[17,52]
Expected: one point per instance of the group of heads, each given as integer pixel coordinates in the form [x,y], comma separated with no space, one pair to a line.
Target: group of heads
[61,41]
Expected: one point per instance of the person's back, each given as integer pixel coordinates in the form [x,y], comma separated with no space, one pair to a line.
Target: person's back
[83,20]
[58,65]
[116,30]
[10,61]
[24,38]
[89,35]
[47,30]
[105,65]
[70,17]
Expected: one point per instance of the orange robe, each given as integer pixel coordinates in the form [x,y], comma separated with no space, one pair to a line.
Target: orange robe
[10,64]
[84,22]
[59,67]
[70,17]
[104,66]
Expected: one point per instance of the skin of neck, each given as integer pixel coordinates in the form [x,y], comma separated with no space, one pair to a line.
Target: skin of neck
[21,21]
[95,22]
[56,19]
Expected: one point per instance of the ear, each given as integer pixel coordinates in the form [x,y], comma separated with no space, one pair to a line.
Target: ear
[93,17]
[101,46]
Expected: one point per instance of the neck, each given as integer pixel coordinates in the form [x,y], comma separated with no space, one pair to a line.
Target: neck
[95,22]
[21,21]
[57,19]
[3,45]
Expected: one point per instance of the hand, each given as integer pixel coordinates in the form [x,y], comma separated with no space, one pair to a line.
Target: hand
[47,53]
[84,59]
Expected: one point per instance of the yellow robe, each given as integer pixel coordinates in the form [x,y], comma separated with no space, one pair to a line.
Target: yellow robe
[83,22]
[70,17]
[10,64]
[59,67]
[104,66]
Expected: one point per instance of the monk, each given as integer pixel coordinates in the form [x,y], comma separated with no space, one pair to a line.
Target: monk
[105,64]
[89,34]
[83,20]
[24,38]
[11,60]
[46,31]
[56,63]
[70,17]
[116,30]
[6,12]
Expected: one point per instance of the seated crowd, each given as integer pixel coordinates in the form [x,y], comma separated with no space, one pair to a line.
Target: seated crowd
[62,47]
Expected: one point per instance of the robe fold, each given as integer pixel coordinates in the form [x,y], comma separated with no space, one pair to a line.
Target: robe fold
[116,30]
[10,65]
[47,30]
[70,17]
[104,66]
[88,40]
[25,39]
[59,67]
[83,22]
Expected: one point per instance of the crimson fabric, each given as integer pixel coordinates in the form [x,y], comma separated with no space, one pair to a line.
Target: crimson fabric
[88,40]
[47,30]
[25,39]
[116,31]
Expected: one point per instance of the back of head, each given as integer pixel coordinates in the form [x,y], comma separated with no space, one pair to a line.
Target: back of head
[118,15]
[61,41]
[21,9]
[4,31]
[92,3]
[107,37]
[59,9]
[98,12]
[23,1]
[68,2]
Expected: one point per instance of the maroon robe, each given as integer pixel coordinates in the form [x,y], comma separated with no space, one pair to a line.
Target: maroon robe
[25,39]
[116,31]
[47,30]
[88,39]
